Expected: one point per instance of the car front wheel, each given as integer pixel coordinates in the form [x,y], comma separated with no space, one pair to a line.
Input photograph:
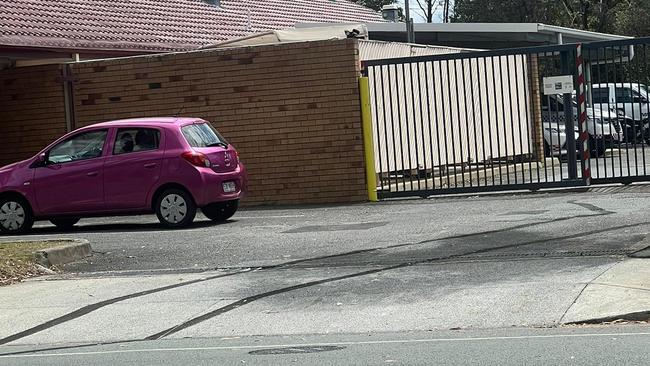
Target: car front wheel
[15,216]
[597,147]
[175,209]
[220,211]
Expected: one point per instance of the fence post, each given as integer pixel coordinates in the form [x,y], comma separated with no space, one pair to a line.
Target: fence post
[582,115]
[368,147]
[572,162]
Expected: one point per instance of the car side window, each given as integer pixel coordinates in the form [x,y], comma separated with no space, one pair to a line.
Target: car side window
[600,95]
[130,140]
[83,146]
[623,95]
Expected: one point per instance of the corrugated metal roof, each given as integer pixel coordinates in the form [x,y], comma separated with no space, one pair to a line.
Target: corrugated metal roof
[377,50]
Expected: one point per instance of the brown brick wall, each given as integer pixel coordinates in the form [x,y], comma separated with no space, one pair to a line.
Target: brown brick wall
[292,110]
[32,111]
[536,107]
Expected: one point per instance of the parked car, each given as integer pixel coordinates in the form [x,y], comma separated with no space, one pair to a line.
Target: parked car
[555,139]
[167,166]
[603,126]
[630,102]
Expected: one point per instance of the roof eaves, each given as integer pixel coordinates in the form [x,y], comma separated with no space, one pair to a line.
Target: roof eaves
[596,36]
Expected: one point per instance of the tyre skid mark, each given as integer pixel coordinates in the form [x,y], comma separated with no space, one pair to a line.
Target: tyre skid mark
[93,307]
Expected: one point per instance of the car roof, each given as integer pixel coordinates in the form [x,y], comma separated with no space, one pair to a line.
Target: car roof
[149,121]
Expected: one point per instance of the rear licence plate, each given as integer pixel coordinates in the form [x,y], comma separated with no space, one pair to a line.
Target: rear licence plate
[229,187]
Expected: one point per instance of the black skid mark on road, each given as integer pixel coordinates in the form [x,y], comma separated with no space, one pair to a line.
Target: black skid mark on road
[93,307]
[249,299]
[592,208]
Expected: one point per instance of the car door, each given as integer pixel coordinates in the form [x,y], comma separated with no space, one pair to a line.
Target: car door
[624,102]
[71,180]
[133,168]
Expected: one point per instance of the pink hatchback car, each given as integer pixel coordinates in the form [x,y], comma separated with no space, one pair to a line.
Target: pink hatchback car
[170,166]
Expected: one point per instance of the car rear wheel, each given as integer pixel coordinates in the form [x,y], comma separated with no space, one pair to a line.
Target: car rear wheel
[547,149]
[220,211]
[15,216]
[65,223]
[596,147]
[175,209]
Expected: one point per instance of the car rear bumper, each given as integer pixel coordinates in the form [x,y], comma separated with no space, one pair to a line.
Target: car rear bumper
[213,186]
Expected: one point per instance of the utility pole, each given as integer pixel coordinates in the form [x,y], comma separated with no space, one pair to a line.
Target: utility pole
[410,32]
[445,12]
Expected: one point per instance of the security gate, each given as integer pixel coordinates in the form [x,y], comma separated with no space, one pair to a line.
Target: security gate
[617,79]
[502,120]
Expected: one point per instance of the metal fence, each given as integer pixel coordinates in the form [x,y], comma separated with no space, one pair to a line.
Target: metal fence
[617,79]
[474,122]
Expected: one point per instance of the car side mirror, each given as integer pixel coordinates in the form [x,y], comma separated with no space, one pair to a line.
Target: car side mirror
[41,160]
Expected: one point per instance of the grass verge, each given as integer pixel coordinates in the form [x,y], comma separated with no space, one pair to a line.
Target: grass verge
[17,259]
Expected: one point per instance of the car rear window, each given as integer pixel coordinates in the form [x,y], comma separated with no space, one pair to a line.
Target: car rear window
[203,135]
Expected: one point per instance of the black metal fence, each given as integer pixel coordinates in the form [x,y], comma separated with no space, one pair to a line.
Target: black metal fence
[617,79]
[471,122]
[481,121]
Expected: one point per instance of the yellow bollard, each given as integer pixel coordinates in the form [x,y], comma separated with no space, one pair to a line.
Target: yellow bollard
[369,150]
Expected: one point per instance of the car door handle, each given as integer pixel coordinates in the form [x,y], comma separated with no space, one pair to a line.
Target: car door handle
[92,174]
[150,165]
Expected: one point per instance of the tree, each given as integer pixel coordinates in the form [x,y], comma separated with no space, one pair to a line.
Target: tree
[632,18]
[429,7]
[375,4]
[606,16]
[508,11]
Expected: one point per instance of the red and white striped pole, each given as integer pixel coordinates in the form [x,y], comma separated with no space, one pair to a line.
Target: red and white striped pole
[582,117]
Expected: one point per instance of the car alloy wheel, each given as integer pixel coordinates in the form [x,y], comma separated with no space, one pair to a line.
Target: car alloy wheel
[15,216]
[175,208]
[12,216]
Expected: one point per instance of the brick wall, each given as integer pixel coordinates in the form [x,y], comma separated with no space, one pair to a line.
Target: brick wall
[536,107]
[292,110]
[32,111]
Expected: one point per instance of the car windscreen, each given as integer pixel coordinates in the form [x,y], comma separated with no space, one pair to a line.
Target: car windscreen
[203,135]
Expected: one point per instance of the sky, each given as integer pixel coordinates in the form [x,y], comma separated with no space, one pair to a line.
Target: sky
[416,12]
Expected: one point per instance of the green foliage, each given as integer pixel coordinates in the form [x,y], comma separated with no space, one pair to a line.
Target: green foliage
[627,17]
[512,11]
[633,18]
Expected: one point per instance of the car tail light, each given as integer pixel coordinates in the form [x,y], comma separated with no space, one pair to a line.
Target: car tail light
[196,158]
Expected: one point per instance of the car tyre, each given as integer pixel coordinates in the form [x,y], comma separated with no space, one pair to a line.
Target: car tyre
[65,223]
[547,150]
[15,216]
[175,209]
[220,211]
[596,147]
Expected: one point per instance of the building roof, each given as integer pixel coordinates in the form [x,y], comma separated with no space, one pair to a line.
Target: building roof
[159,25]
[484,35]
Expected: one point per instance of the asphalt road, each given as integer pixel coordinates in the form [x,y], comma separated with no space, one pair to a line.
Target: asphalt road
[614,345]
[393,267]
[386,232]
